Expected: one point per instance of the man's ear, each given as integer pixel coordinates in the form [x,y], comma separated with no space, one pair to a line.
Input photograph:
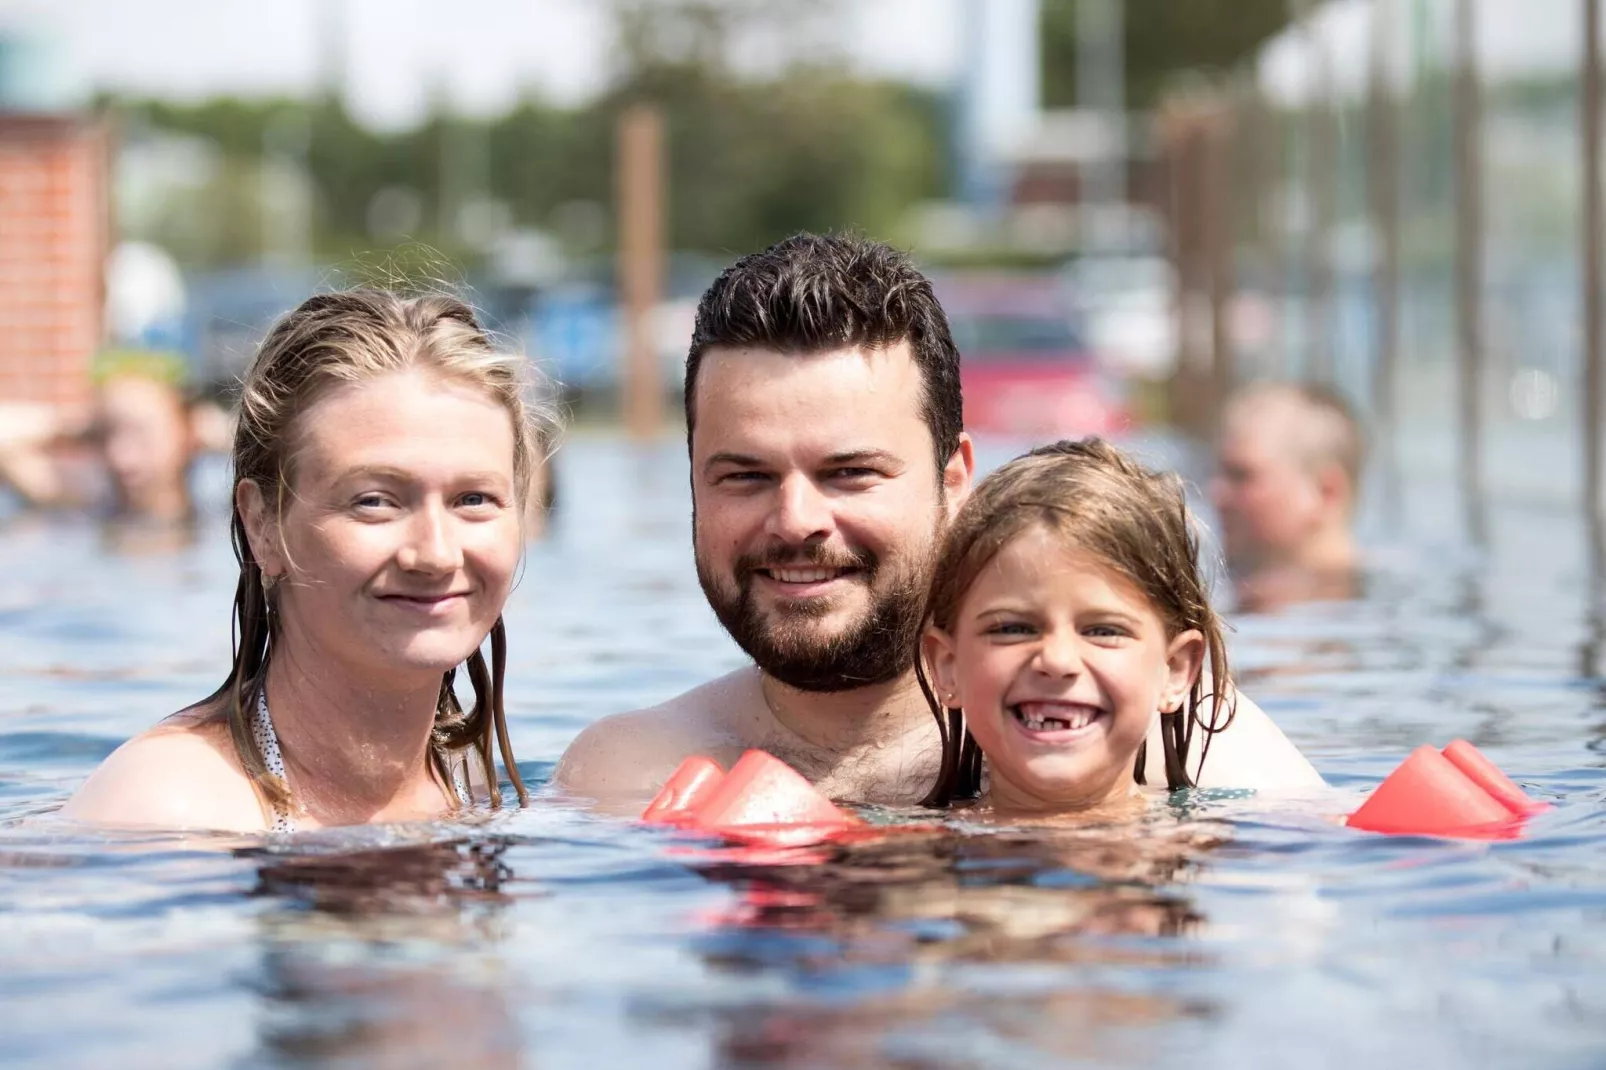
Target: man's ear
[1184,658]
[937,650]
[1333,484]
[959,473]
[261,528]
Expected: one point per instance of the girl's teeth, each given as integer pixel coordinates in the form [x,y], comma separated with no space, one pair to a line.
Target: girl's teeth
[1037,721]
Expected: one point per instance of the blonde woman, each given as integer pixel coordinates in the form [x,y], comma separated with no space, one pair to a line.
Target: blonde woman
[381,467]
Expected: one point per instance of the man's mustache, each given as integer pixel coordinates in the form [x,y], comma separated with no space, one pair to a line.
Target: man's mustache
[815,556]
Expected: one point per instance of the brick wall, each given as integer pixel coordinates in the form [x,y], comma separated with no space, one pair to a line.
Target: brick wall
[54,235]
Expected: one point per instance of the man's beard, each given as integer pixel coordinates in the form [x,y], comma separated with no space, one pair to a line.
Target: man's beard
[877,647]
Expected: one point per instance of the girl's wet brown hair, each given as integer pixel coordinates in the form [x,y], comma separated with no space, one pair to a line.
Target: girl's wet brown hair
[328,340]
[1100,501]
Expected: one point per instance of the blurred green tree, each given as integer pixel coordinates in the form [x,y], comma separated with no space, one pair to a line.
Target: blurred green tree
[752,155]
[1164,38]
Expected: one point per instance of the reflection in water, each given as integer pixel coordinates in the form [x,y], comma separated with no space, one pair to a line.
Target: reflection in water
[1271,590]
[955,947]
[386,957]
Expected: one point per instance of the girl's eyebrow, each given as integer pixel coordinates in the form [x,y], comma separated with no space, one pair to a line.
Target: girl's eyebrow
[1003,609]
[1019,609]
[1119,616]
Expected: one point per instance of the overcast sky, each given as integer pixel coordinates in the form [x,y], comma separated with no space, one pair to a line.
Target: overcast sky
[480,51]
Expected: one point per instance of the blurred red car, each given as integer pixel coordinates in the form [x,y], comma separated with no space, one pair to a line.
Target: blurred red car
[1024,367]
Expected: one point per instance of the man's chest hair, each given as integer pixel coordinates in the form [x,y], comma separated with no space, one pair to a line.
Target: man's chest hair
[896,772]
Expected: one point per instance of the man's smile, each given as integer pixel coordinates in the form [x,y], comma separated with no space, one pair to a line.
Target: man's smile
[805,581]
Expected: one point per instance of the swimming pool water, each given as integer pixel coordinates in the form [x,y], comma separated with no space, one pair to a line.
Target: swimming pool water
[1242,932]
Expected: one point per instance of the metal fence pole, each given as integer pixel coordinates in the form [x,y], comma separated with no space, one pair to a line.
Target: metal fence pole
[1322,161]
[1383,167]
[1595,523]
[641,250]
[1469,265]
[1215,145]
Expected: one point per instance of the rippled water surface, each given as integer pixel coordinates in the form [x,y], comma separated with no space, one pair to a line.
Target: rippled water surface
[1237,932]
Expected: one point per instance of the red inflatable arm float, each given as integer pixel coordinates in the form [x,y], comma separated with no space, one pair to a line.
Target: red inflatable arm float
[761,801]
[1456,793]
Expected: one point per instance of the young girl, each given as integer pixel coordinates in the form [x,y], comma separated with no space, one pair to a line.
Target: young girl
[1066,617]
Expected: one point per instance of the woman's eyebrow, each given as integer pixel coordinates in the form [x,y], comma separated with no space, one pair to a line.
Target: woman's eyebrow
[375,471]
[392,474]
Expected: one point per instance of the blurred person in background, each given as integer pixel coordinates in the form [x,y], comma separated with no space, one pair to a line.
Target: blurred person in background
[128,458]
[382,462]
[1288,469]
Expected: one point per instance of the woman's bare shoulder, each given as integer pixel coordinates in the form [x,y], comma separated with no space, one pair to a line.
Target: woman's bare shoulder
[181,774]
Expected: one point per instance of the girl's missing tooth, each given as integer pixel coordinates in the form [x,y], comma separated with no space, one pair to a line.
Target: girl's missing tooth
[1066,615]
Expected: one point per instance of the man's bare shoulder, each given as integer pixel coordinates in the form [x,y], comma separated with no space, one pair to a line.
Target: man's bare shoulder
[627,756]
[180,775]
[1251,752]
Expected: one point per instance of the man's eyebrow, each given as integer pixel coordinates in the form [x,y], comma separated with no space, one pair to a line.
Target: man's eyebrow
[839,459]
[735,460]
[860,457]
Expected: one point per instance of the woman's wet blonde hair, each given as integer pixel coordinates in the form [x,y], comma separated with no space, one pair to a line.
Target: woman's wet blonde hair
[346,337]
[1097,500]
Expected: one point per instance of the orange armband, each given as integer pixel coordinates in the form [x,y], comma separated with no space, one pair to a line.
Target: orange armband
[1455,793]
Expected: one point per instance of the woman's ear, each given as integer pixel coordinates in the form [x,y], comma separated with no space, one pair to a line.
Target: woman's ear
[937,648]
[261,528]
[1183,660]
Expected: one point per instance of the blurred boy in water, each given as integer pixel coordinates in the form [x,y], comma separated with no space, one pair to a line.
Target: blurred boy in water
[1288,471]
[128,458]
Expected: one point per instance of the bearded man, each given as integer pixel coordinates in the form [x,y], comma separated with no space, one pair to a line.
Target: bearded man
[825,426]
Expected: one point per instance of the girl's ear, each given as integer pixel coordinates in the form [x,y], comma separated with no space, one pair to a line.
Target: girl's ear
[1183,660]
[261,528]
[937,648]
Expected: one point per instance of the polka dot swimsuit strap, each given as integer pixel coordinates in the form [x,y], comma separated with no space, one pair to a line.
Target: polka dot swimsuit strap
[268,744]
[465,797]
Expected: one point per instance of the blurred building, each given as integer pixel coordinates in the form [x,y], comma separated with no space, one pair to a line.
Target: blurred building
[54,234]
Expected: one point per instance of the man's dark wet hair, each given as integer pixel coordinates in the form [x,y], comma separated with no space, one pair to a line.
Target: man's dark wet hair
[812,293]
